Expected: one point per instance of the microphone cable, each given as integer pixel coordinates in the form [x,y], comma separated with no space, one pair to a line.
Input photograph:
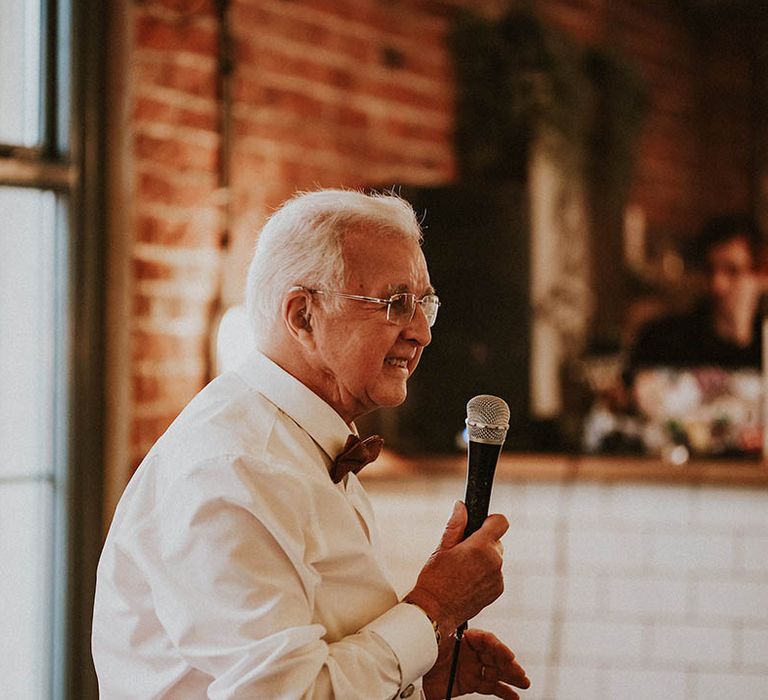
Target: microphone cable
[455,660]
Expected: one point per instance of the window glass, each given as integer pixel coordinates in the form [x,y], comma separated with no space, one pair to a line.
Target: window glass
[27,330]
[20,77]
[29,337]
[26,555]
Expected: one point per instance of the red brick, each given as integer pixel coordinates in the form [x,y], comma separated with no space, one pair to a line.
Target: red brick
[306,66]
[580,23]
[416,131]
[154,111]
[141,305]
[169,72]
[260,21]
[145,389]
[350,117]
[167,307]
[437,67]
[279,97]
[252,164]
[190,232]
[401,94]
[177,153]
[156,187]
[349,10]
[185,8]
[175,388]
[153,32]
[150,270]
[157,346]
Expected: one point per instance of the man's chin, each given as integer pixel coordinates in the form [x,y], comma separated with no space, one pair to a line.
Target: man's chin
[391,399]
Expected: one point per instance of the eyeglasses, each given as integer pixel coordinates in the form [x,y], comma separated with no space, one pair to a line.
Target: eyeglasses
[401,307]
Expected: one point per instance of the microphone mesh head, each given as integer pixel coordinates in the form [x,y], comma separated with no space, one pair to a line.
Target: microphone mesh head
[487,419]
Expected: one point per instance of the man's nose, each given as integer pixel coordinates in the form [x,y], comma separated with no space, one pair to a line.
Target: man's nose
[418,330]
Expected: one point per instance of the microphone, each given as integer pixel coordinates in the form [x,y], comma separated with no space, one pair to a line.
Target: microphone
[487,424]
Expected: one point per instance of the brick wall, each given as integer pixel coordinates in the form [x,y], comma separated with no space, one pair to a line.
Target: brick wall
[732,125]
[343,93]
[177,216]
[612,591]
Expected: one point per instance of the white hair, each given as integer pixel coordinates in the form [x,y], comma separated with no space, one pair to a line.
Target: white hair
[301,244]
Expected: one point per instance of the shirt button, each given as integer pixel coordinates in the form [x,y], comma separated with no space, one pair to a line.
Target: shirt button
[408,691]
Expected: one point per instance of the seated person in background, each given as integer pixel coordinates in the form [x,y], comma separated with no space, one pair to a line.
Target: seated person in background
[724,329]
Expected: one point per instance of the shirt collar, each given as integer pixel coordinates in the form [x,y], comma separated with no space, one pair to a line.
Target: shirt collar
[326,427]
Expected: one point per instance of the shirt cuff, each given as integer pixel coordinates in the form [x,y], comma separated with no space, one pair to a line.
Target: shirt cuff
[409,633]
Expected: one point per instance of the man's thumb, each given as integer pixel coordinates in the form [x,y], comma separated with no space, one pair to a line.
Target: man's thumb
[454,530]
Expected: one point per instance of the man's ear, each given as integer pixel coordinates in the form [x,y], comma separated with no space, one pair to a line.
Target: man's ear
[297,315]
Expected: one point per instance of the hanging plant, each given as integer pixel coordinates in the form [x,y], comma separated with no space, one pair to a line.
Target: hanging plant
[621,105]
[518,77]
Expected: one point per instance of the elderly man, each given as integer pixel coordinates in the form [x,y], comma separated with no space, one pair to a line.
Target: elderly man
[242,561]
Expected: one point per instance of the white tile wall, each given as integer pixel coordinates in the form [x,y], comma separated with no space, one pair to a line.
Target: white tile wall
[569,683]
[623,684]
[601,640]
[613,591]
[755,648]
[694,644]
[654,597]
[684,550]
[740,686]
[756,553]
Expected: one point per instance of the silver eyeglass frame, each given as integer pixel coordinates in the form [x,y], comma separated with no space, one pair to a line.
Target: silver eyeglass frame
[388,303]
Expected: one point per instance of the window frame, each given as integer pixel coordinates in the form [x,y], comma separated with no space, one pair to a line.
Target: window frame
[70,161]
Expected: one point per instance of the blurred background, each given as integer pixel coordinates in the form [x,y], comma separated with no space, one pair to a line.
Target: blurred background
[562,154]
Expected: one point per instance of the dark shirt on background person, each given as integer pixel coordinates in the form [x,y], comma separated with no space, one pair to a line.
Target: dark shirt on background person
[689,340]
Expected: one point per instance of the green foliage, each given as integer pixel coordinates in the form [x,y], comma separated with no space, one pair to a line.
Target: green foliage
[519,78]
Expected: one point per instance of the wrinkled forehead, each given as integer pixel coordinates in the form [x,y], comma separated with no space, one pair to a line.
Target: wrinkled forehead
[389,261]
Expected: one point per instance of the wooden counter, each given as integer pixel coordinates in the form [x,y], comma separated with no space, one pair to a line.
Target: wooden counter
[564,467]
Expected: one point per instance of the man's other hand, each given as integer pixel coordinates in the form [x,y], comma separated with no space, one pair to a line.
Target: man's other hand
[486,666]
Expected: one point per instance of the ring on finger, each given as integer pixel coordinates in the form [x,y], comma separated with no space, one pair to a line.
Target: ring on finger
[482,671]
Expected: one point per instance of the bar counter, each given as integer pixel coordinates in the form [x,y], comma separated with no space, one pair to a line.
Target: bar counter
[578,467]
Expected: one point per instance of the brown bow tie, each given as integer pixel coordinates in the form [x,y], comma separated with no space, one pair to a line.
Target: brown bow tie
[355,455]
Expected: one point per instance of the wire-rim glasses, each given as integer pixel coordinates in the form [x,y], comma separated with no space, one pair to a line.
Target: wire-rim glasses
[401,306]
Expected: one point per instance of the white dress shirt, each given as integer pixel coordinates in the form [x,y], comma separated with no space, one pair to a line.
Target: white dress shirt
[235,567]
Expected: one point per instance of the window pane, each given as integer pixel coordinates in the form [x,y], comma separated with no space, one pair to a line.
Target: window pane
[20,79]
[25,622]
[27,331]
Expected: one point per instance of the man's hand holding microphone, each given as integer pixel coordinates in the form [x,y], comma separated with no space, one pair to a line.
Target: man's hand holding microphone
[464,574]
